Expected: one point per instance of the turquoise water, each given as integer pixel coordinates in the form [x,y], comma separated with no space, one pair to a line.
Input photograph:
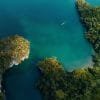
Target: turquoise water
[54,29]
[94,2]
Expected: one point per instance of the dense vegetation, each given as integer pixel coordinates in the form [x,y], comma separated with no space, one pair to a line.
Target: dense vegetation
[59,84]
[90,16]
[56,83]
[1,96]
[13,50]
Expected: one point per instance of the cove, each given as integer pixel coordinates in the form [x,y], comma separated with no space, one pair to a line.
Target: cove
[54,29]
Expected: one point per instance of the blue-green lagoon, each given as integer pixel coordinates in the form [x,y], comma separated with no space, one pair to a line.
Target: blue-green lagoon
[54,30]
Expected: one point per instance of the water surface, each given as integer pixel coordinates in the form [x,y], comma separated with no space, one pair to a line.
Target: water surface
[54,29]
[94,2]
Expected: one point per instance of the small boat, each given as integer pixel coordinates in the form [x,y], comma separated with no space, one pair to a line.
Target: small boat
[63,23]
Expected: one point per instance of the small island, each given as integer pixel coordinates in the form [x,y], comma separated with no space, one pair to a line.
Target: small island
[13,50]
[56,83]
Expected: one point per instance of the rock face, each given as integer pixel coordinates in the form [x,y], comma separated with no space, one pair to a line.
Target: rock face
[13,50]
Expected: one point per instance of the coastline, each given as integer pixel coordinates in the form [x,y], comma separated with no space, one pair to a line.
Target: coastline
[14,56]
[79,84]
[91,24]
[59,84]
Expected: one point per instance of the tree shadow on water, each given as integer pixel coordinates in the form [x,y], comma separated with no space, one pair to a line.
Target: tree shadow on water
[19,81]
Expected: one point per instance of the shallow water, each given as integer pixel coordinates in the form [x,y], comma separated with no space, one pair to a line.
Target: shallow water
[94,2]
[54,29]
